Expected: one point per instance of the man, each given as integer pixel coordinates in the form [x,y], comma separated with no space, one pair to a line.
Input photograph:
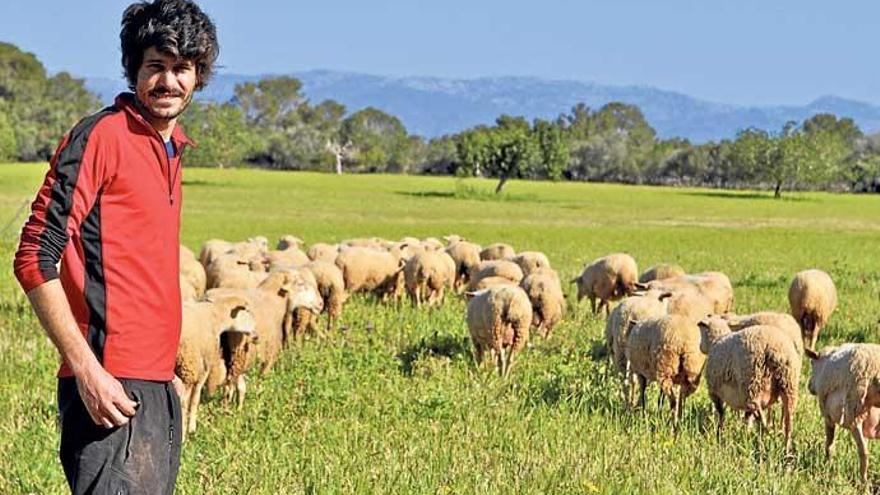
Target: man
[109,211]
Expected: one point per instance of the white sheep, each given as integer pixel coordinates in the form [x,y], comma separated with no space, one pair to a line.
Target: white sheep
[371,270]
[289,242]
[661,271]
[202,325]
[667,351]
[812,297]
[846,381]
[499,319]
[750,370]
[548,301]
[607,279]
[782,321]
[331,286]
[497,251]
[321,251]
[495,268]
[467,258]
[530,261]
[426,276]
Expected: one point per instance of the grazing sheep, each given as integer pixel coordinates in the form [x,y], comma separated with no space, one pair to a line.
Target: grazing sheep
[661,271]
[666,350]
[187,291]
[496,268]
[320,251]
[750,370]
[691,303]
[234,271]
[289,257]
[783,321]
[370,270]
[499,319]
[331,286]
[432,244]
[303,318]
[530,261]
[453,239]
[638,307]
[497,251]
[607,279]
[485,283]
[846,381]
[289,242]
[715,286]
[202,325]
[813,298]
[548,301]
[365,242]
[467,258]
[212,249]
[426,275]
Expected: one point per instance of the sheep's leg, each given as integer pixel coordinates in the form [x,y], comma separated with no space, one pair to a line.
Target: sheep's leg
[862,447]
[501,362]
[719,410]
[478,354]
[241,388]
[185,401]
[830,428]
[593,304]
[787,407]
[643,384]
[194,404]
[511,353]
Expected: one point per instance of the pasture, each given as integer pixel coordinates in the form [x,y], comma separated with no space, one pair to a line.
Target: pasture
[392,403]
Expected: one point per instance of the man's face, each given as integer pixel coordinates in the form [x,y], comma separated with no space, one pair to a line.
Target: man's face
[165,84]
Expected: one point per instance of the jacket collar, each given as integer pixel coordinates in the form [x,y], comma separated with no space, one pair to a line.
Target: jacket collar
[125,101]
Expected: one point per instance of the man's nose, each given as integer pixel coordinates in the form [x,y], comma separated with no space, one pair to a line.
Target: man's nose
[166,78]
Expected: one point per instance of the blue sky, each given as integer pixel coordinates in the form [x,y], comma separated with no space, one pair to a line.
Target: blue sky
[742,52]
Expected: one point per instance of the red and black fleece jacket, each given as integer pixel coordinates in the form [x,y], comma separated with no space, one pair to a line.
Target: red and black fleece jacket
[109,212]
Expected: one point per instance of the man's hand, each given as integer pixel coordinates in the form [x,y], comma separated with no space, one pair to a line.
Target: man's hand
[104,397]
[179,387]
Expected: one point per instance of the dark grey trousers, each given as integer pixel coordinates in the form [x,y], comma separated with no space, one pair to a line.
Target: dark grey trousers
[140,457]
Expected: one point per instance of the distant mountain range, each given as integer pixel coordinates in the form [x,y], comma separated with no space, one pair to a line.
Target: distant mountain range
[431,106]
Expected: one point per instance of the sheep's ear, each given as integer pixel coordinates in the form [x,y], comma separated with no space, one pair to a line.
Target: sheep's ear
[235,310]
[640,286]
[284,289]
[813,355]
[665,295]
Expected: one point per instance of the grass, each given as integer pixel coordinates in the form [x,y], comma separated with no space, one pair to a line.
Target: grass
[393,403]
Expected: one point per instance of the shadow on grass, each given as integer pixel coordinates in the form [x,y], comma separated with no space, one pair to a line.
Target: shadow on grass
[744,195]
[473,195]
[201,183]
[436,346]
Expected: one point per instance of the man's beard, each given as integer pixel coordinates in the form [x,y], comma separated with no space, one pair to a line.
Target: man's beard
[146,109]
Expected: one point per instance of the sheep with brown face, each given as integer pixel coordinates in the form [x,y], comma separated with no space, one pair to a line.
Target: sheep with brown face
[203,325]
[813,298]
[499,319]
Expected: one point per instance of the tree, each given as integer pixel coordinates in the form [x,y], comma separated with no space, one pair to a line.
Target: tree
[379,140]
[552,149]
[269,101]
[8,148]
[506,151]
[220,132]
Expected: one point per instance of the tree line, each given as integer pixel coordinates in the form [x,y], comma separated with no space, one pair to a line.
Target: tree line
[271,123]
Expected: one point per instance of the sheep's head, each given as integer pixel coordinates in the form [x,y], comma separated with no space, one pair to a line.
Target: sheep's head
[289,242]
[453,239]
[301,294]
[712,329]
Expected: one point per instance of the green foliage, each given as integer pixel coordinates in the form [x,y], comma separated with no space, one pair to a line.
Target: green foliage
[8,147]
[221,134]
[380,141]
[40,109]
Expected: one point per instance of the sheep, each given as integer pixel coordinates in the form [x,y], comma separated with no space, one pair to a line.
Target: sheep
[547,299]
[453,239]
[690,302]
[212,249]
[666,350]
[661,271]
[750,370]
[288,257]
[426,277]
[485,283]
[715,286]
[432,244]
[607,279]
[782,321]
[202,325]
[496,268]
[365,242]
[234,271]
[370,270]
[302,319]
[530,261]
[499,319]
[193,273]
[467,258]
[846,381]
[638,307]
[274,302]
[187,291]
[331,286]
[812,297]
[289,242]
[320,251]
[497,251]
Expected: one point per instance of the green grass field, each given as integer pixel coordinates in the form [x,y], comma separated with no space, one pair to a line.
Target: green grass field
[394,405]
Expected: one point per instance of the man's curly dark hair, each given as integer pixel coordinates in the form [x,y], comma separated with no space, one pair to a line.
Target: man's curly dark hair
[176,27]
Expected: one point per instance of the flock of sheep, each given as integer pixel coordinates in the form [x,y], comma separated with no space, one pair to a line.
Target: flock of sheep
[243,303]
